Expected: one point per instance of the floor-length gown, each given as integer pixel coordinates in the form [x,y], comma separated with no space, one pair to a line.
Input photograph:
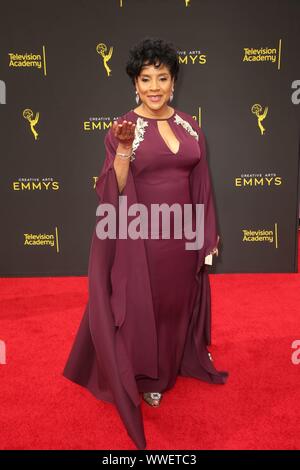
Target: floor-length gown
[148,316]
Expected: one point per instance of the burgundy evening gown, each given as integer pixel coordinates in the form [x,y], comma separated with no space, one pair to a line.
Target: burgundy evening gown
[147,319]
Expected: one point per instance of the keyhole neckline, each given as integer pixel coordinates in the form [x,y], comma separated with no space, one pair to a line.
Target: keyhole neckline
[155,119]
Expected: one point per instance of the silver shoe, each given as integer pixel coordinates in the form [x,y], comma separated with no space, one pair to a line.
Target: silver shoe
[152,398]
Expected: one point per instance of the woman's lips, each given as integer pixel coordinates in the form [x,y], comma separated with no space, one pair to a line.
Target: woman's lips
[154,98]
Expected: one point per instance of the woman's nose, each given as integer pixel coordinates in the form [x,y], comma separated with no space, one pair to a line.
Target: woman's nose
[154,87]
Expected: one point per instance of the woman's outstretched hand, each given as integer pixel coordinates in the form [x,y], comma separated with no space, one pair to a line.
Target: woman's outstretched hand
[124,133]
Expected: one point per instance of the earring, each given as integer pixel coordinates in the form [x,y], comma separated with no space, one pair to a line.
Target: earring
[137,97]
[171,96]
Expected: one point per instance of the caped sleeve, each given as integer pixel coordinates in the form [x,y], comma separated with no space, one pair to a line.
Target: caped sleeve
[202,193]
[107,170]
[110,374]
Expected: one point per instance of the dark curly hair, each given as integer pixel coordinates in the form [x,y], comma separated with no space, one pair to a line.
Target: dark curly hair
[148,52]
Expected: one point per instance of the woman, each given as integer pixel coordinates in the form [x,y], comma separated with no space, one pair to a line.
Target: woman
[148,315]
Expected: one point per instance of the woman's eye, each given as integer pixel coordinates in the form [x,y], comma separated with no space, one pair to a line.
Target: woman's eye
[146,80]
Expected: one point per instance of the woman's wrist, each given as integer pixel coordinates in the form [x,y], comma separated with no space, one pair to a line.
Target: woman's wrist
[123,147]
[124,152]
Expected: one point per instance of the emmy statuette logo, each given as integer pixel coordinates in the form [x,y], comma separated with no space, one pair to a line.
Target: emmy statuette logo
[261,115]
[28,114]
[105,56]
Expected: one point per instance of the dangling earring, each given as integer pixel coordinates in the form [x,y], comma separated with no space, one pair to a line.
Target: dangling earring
[137,97]
[171,95]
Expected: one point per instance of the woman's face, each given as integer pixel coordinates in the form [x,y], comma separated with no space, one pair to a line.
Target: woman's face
[154,86]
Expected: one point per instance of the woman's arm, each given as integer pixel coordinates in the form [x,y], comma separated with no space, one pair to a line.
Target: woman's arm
[119,138]
[121,165]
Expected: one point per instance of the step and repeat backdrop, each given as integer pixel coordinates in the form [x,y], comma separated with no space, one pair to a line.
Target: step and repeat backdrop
[63,82]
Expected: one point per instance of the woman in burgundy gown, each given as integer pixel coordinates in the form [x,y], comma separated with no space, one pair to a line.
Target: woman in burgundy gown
[148,315]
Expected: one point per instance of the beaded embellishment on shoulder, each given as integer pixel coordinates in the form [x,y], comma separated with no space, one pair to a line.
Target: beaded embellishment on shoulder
[139,135]
[186,125]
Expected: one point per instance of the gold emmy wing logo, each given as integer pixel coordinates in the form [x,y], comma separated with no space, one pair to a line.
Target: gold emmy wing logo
[102,51]
[261,115]
[28,114]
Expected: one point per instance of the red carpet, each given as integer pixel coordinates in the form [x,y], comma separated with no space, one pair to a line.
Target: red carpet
[256,317]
